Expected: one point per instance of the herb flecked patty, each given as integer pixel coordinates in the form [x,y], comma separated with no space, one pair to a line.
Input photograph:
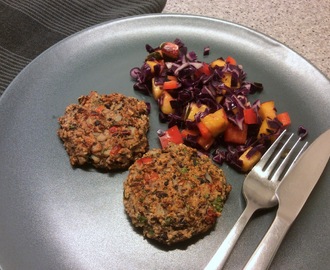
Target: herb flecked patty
[174,193]
[107,131]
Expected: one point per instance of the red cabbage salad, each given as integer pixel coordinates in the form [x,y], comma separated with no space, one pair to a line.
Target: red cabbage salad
[206,105]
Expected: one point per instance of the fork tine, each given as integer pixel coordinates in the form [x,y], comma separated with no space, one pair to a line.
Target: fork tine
[266,156]
[282,166]
[296,158]
[274,161]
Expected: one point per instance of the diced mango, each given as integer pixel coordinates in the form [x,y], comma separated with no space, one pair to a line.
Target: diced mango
[194,109]
[265,129]
[216,122]
[248,163]
[267,110]
[226,79]
[157,90]
[166,107]
[219,99]
[153,63]
[219,62]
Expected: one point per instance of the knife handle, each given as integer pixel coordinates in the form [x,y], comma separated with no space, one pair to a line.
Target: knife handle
[266,250]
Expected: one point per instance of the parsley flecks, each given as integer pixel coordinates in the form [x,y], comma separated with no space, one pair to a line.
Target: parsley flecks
[218,204]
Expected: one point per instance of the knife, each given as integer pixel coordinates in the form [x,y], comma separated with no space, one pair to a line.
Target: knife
[292,194]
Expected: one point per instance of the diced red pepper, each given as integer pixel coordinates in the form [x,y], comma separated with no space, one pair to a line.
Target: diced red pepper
[205,132]
[144,161]
[172,78]
[233,134]
[231,60]
[115,149]
[206,139]
[250,116]
[205,69]
[113,129]
[170,85]
[186,132]
[151,176]
[211,216]
[173,135]
[284,118]
[204,142]
[100,108]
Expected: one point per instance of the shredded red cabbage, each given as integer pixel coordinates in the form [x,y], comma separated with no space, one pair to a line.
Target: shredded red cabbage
[206,87]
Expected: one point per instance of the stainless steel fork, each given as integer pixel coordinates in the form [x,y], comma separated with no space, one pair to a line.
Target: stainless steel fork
[259,192]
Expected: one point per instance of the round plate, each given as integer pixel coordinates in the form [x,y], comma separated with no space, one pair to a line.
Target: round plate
[53,216]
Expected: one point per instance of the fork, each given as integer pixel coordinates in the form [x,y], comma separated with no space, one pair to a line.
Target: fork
[259,192]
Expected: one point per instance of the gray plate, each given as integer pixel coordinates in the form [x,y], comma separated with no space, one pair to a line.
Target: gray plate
[55,217]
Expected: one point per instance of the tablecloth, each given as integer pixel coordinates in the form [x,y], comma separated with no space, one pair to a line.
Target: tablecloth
[29,27]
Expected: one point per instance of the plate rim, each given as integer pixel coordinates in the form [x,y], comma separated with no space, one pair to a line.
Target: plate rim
[157,15]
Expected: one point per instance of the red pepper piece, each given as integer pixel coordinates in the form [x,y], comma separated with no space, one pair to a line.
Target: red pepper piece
[205,69]
[205,132]
[144,161]
[173,135]
[115,150]
[231,60]
[233,134]
[170,85]
[204,142]
[250,116]
[284,118]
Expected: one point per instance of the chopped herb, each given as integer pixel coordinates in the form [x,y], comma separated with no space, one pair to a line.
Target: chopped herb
[142,219]
[195,161]
[184,170]
[151,232]
[218,204]
[168,221]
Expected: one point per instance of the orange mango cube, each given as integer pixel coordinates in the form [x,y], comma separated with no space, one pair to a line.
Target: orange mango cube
[265,129]
[157,90]
[227,79]
[219,62]
[248,163]
[153,63]
[216,122]
[267,110]
[166,107]
[194,109]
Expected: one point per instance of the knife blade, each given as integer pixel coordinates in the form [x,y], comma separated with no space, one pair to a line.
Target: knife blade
[292,194]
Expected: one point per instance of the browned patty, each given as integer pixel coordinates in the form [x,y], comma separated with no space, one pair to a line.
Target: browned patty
[174,193]
[107,131]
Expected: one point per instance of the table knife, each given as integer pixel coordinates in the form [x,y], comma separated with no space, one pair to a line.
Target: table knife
[292,194]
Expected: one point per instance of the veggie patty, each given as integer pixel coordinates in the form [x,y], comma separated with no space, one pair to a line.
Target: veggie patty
[106,131]
[174,193]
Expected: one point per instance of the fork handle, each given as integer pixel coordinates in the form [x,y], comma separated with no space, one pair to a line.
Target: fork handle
[220,257]
[266,250]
